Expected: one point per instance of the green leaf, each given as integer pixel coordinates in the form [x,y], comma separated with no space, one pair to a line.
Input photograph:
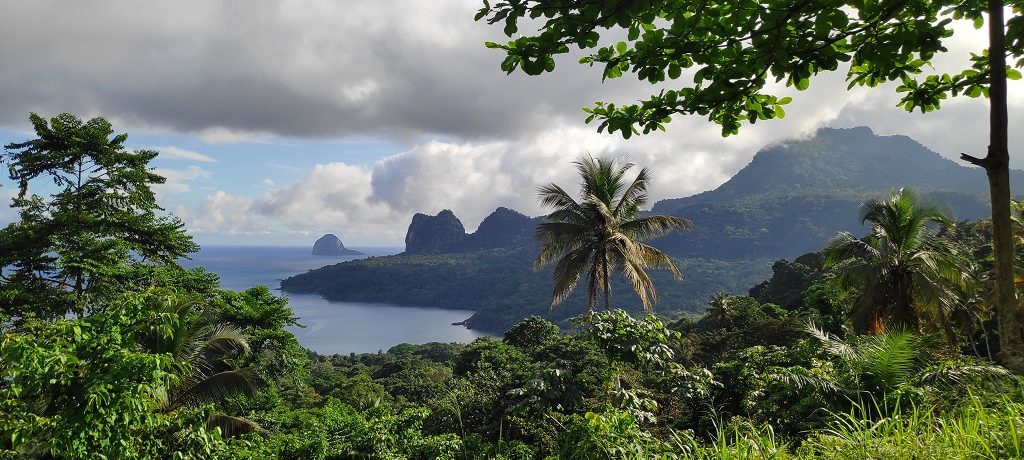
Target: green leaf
[674,70]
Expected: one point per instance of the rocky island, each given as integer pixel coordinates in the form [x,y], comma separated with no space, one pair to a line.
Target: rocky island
[330,245]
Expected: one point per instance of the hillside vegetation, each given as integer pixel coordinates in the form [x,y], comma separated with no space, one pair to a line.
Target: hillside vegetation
[104,354]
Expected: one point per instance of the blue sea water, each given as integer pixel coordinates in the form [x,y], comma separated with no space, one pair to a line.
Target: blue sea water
[332,327]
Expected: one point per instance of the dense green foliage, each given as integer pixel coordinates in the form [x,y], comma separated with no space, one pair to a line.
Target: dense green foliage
[109,348]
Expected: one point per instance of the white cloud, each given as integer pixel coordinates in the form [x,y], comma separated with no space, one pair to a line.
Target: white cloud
[183,154]
[178,179]
[223,213]
[222,135]
[409,72]
[373,205]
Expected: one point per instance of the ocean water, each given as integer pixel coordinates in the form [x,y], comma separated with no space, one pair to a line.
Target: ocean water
[332,327]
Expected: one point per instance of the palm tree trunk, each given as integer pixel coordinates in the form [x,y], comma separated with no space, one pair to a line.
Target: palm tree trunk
[876,326]
[904,314]
[607,285]
[947,328]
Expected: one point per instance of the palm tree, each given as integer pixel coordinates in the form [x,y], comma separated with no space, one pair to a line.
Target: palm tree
[873,367]
[903,270]
[720,309]
[204,349]
[603,233]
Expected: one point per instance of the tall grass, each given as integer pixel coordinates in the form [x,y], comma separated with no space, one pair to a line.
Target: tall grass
[738,441]
[973,431]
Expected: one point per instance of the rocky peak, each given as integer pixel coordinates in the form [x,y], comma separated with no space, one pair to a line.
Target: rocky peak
[502,228]
[428,234]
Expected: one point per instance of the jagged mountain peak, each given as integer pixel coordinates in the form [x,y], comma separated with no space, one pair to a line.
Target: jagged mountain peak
[445,233]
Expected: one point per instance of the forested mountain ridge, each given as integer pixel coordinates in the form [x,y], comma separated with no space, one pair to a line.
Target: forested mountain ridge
[795,195]
[842,161]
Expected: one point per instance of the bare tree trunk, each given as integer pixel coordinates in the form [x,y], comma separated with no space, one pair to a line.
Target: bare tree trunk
[997,166]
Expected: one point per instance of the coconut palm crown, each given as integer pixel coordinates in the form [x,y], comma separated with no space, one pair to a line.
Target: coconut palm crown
[603,233]
[904,271]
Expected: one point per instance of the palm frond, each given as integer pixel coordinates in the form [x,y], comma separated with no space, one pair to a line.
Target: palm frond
[231,426]
[207,349]
[654,258]
[956,375]
[225,340]
[214,388]
[601,210]
[559,239]
[567,273]
[833,345]
[634,197]
[645,228]
[632,264]
[801,378]
[844,246]
[551,195]
[890,358]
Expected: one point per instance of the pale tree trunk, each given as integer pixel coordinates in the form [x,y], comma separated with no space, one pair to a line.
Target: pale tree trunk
[997,167]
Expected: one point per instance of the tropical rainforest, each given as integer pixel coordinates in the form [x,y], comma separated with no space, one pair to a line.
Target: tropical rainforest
[878,344]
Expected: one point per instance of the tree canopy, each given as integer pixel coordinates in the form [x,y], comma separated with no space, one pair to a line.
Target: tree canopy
[728,60]
[95,215]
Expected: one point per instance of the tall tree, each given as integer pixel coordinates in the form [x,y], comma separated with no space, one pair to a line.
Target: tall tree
[903,271]
[98,212]
[603,233]
[738,48]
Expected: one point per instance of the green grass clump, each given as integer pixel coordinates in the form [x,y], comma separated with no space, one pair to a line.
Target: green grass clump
[971,432]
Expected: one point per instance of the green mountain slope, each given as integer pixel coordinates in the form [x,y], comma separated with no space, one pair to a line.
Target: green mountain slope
[795,195]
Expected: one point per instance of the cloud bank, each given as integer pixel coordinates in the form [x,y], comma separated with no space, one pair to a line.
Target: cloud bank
[411,72]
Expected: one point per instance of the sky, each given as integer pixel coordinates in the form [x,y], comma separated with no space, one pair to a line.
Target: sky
[279,121]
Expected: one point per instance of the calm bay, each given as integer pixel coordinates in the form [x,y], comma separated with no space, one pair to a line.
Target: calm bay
[332,327]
